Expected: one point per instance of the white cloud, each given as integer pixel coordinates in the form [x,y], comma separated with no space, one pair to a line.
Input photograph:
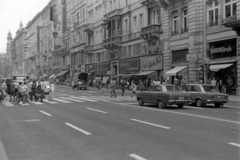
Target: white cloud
[12,12]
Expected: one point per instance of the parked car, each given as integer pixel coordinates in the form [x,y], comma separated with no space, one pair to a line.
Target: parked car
[202,94]
[162,95]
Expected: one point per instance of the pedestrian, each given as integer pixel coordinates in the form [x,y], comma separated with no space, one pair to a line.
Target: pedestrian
[34,87]
[213,82]
[51,93]
[24,93]
[183,83]
[12,91]
[19,93]
[200,81]
[107,84]
[220,85]
[123,84]
[141,86]
[134,88]
[113,88]
[176,81]
[39,93]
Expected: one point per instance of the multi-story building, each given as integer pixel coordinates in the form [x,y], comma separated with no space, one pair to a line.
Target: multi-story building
[4,65]
[9,53]
[20,53]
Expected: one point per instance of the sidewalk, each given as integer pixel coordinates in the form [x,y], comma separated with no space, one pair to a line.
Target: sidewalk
[232,98]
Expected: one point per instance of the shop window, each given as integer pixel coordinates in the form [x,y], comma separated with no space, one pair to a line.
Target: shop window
[179,56]
[213,13]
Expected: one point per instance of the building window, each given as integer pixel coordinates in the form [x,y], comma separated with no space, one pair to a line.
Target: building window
[140,21]
[155,16]
[134,24]
[175,24]
[230,8]
[213,13]
[126,26]
[110,6]
[185,21]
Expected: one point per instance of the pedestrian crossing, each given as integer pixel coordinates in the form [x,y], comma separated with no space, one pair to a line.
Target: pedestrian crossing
[71,99]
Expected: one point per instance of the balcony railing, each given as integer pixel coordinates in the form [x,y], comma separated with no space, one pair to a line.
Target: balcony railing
[88,27]
[184,30]
[112,42]
[113,13]
[174,32]
[88,48]
[131,36]
[148,2]
[98,46]
[229,19]
[153,30]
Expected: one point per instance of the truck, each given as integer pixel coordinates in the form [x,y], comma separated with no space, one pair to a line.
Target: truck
[80,80]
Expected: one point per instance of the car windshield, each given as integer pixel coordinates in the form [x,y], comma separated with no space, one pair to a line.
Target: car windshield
[210,89]
[46,83]
[173,88]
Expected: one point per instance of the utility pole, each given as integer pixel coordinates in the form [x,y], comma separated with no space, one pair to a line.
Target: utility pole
[204,42]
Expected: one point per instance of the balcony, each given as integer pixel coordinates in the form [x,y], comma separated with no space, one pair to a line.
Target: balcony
[131,36]
[232,22]
[148,3]
[88,27]
[116,12]
[64,52]
[151,31]
[88,48]
[113,42]
[98,46]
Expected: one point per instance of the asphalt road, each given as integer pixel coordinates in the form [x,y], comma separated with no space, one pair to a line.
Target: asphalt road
[89,125]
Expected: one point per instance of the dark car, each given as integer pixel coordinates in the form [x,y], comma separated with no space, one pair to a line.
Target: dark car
[202,94]
[162,95]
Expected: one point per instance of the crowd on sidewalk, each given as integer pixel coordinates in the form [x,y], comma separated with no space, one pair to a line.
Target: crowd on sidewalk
[26,91]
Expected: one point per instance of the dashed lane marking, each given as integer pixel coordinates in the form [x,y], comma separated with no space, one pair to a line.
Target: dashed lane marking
[32,120]
[78,129]
[97,110]
[45,113]
[234,144]
[137,157]
[152,124]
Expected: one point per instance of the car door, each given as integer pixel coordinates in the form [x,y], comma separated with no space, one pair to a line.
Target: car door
[148,94]
[190,90]
[156,93]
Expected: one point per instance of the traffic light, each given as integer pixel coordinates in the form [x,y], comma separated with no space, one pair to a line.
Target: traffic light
[51,14]
[201,68]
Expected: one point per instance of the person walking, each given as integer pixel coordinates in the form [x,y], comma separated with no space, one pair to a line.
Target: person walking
[176,81]
[183,83]
[123,84]
[134,88]
[12,91]
[19,93]
[113,88]
[107,84]
[24,93]
[214,82]
[34,87]
[141,86]
[39,92]
[51,94]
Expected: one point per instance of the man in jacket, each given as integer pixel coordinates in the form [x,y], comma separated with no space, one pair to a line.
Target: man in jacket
[12,91]
[39,92]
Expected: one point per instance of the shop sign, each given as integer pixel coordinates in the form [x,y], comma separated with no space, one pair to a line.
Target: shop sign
[90,68]
[221,50]
[152,63]
[109,72]
[129,66]
[191,57]
[102,68]
[82,68]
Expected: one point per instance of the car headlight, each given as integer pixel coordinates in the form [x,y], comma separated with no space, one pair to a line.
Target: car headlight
[79,82]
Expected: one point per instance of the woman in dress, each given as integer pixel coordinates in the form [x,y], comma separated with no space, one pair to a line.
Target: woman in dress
[51,94]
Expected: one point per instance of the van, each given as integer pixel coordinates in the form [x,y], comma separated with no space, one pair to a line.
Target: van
[80,80]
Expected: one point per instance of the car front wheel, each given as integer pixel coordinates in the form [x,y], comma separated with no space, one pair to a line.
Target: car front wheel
[161,104]
[140,102]
[199,103]
[180,106]
[218,105]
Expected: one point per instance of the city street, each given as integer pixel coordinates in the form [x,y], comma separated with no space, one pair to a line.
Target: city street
[89,125]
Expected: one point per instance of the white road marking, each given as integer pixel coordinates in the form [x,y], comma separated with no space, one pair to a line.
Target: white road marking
[51,102]
[8,104]
[192,107]
[83,98]
[60,100]
[32,120]
[71,99]
[187,114]
[231,106]
[37,103]
[108,98]
[21,103]
[91,97]
[152,124]
[96,110]
[137,157]
[45,113]
[78,129]
[234,144]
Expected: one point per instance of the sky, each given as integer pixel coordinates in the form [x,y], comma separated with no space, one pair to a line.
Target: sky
[12,12]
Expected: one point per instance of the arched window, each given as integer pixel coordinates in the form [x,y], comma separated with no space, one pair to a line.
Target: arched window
[213,13]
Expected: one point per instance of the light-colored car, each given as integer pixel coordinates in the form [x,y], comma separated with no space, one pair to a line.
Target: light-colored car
[162,95]
[46,87]
[202,94]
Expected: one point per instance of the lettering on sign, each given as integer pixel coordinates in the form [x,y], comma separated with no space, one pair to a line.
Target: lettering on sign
[221,50]
[151,62]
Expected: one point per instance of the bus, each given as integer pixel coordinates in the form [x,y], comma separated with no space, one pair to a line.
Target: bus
[20,77]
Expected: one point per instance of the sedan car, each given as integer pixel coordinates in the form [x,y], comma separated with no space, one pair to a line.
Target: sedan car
[46,87]
[162,95]
[202,94]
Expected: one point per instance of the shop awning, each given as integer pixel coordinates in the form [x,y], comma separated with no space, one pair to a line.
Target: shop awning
[90,74]
[128,75]
[61,73]
[175,70]
[119,75]
[216,68]
[52,76]
[144,73]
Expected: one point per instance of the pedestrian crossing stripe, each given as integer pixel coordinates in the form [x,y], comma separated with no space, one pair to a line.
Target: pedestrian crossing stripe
[8,104]
[61,100]
[95,98]
[51,102]
[37,103]
[83,98]
[71,99]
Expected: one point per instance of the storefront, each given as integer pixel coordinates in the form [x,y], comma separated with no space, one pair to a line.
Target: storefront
[101,71]
[179,67]
[223,64]
[151,67]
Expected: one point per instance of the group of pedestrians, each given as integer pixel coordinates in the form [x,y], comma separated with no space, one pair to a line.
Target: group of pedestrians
[26,91]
